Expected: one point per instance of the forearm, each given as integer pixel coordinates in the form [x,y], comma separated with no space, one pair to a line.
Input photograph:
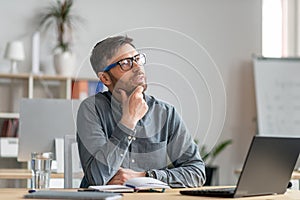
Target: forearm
[189,168]
[101,162]
[188,176]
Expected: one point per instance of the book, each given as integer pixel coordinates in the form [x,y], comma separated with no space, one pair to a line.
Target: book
[15,128]
[10,128]
[4,128]
[134,185]
[80,89]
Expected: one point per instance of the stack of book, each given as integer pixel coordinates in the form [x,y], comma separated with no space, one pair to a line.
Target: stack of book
[82,89]
[10,128]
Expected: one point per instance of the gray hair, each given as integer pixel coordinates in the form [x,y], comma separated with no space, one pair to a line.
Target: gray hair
[104,50]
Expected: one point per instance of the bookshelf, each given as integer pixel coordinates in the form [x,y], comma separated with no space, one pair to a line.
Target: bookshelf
[14,87]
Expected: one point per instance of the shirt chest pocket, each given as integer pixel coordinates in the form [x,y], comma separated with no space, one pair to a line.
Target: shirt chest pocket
[152,155]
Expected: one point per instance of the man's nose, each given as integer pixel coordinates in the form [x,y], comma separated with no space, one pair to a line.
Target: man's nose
[136,67]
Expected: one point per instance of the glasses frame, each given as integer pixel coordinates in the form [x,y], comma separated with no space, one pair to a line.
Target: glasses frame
[109,67]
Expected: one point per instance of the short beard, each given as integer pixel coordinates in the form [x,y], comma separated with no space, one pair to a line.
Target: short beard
[114,82]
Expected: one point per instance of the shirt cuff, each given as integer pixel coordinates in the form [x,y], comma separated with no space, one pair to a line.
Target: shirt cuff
[123,136]
[126,130]
[159,174]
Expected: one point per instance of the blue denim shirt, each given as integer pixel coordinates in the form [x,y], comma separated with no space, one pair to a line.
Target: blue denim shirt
[160,143]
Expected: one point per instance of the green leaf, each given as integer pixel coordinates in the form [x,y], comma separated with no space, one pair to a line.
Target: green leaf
[59,16]
[209,157]
[219,148]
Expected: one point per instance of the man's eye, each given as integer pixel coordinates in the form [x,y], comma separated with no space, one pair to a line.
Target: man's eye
[125,62]
[137,58]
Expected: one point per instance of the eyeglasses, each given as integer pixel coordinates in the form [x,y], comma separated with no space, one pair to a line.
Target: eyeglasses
[127,63]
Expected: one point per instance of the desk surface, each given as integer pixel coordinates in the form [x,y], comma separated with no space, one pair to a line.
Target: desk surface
[26,174]
[22,174]
[296,175]
[12,194]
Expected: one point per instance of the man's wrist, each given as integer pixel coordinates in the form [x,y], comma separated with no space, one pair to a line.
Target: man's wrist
[128,123]
[150,174]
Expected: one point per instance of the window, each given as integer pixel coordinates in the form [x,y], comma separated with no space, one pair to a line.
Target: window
[272,28]
[280,28]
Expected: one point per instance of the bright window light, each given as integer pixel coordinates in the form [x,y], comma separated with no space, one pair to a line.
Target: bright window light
[272,28]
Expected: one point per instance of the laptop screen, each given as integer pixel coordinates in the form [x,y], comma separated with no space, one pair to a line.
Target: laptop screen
[268,166]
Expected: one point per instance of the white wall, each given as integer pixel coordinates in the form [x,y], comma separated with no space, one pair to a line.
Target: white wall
[194,47]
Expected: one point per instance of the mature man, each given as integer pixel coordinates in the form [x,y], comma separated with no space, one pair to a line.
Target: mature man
[124,133]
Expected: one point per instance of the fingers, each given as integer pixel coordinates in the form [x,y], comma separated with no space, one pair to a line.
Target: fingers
[123,175]
[124,96]
[138,92]
[134,107]
[119,178]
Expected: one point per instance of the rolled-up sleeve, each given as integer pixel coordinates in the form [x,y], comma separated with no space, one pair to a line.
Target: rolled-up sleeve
[101,154]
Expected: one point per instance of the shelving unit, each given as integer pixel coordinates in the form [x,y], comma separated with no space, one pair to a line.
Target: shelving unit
[9,115]
[30,83]
[13,87]
[34,86]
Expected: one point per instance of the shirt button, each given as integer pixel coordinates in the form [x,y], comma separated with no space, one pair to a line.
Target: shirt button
[121,155]
[133,138]
[133,160]
[129,137]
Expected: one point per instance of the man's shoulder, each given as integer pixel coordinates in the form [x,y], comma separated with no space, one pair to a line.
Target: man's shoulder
[98,99]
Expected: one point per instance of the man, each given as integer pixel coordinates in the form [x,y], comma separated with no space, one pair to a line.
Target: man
[124,133]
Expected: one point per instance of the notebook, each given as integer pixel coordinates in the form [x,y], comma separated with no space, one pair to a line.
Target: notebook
[267,169]
[134,185]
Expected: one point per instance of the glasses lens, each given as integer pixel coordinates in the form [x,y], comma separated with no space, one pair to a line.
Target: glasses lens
[140,59]
[126,64]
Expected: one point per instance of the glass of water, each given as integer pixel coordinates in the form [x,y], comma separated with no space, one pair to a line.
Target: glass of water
[41,169]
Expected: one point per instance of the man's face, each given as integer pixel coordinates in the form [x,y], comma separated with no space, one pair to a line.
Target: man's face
[126,80]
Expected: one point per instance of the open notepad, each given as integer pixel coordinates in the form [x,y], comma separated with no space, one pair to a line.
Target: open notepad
[135,184]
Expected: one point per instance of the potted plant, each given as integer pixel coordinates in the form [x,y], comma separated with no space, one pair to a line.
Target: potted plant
[59,15]
[209,157]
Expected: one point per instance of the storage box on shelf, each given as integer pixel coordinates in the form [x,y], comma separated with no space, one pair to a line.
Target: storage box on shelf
[8,136]
[8,147]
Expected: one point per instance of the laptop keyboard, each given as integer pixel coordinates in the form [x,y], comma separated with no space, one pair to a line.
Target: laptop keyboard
[217,192]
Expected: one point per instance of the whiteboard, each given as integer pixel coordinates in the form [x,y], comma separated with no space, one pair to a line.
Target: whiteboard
[277,88]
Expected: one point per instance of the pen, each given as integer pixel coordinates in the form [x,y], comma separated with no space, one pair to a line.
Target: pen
[93,190]
[31,191]
[88,190]
[131,186]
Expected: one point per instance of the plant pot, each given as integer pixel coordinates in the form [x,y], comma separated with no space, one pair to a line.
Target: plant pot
[211,175]
[64,63]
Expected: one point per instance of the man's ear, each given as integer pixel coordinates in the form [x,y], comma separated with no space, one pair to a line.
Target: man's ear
[104,78]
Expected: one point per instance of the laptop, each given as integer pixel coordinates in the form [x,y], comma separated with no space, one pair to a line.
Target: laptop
[267,169]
